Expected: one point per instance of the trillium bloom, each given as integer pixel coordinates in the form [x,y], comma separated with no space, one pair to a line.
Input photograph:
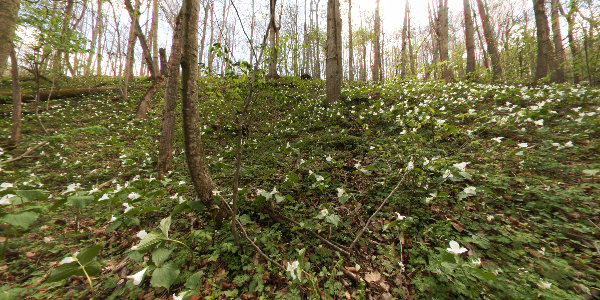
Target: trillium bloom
[400,217]
[411,165]
[476,262]
[127,207]
[569,144]
[498,139]
[447,174]
[5,185]
[137,277]
[461,166]
[324,212]
[104,197]
[456,248]
[133,195]
[539,122]
[112,219]
[292,268]
[544,284]
[5,200]
[471,190]
[66,260]
[523,145]
[328,158]
[72,187]
[340,192]
[142,234]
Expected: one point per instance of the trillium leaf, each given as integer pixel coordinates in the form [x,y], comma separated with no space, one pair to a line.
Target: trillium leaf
[150,240]
[31,195]
[80,202]
[23,220]
[164,276]
[63,271]
[164,226]
[160,255]
[87,254]
[333,219]
[195,281]
[486,275]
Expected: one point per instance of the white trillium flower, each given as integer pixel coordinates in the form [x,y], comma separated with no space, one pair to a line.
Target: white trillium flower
[400,217]
[461,166]
[539,122]
[5,200]
[544,284]
[456,248]
[324,212]
[5,185]
[112,219]
[471,190]
[137,277]
[66,260]
[447,174]
[71,188]
[340,192]
[498,139]
[104,197]
[523,145]
[328,158]
[127,207]
[569,144]
[133,195]
[476,262]
[411,165]
[292,268]
[142,234]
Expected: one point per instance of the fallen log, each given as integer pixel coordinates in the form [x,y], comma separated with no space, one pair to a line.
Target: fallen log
[58,94]
[30,111]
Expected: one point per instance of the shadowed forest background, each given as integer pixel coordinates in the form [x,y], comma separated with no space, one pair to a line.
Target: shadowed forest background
[304,149]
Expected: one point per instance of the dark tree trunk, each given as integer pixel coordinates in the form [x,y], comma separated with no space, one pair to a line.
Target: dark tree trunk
[334,52]
[545,61]
[490,39]
[469,39]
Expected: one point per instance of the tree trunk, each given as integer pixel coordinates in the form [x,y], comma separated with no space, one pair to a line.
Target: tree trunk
[165,144]
[559,57]
[143,42]
[100,30]
[571,35]
[130,57]
[203,40]
[194,151]
[15,136]
[334,52]
[350,44]
[403,54]
[211,54]
[469,39]
[65,26]
[444,40]
[490,38]
[154,34]
[8,21]
[544,62]
[272,41]
[377,45]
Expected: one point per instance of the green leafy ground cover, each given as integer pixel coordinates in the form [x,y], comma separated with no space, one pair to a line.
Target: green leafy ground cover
[511,173]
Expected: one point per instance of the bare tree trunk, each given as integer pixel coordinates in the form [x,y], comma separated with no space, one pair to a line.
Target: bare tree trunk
[544,62]
[486,61]
[15,136]
[334,52]
[490,38]
[403,54]
[469,39]
[570,16]
[559,57]
[8,22]
[154,33]
[377,45]
[206,10]
[211,55]
[194,151]
[444,40]
[165,144]
[65,34]
[350,44]
[130,57]
[318,46]
[143,42]
[273,29]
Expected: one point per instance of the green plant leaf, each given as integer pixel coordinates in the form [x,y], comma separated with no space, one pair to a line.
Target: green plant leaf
[80,202]
[150,240]
[23,220]
[31,195]
[87,254]
[160,255]
[194,282]
[63,271]
[164,226]
[164,276]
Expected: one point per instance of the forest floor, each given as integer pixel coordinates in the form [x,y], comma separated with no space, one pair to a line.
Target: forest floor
[510,173]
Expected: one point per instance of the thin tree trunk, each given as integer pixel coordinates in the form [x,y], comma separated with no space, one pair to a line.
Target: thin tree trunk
[273,29]
[350,44]
[130,57]
[15,136]
[544,62]
[202,41]
[65,34]
[154,34]
[469,39]
[8,22]
[211,55]
[143,42]
[403,54]
[194,151]
[100,30]
[376,44]
[334,52]
[490,38]
[559,56]
[318,45]
[165,144]
[571,35]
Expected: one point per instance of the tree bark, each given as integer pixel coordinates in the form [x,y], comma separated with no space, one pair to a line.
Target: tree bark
[444,40]
[318,43]
[377,45]
[154,34]
[130,57]
[403,54]
[165,144]
[570,16]
[202,41]
[273,29]
[8,22]
[334,52]
[65,33]
[143,42]
[544,62]
[15,136]
[559,56]
[350,44]
[194,151]
[490,38]
[469,39]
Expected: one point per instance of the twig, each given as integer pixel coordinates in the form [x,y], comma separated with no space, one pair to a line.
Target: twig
[105,184]
[360,233]
[24,154]
[593,223]
[250,240]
